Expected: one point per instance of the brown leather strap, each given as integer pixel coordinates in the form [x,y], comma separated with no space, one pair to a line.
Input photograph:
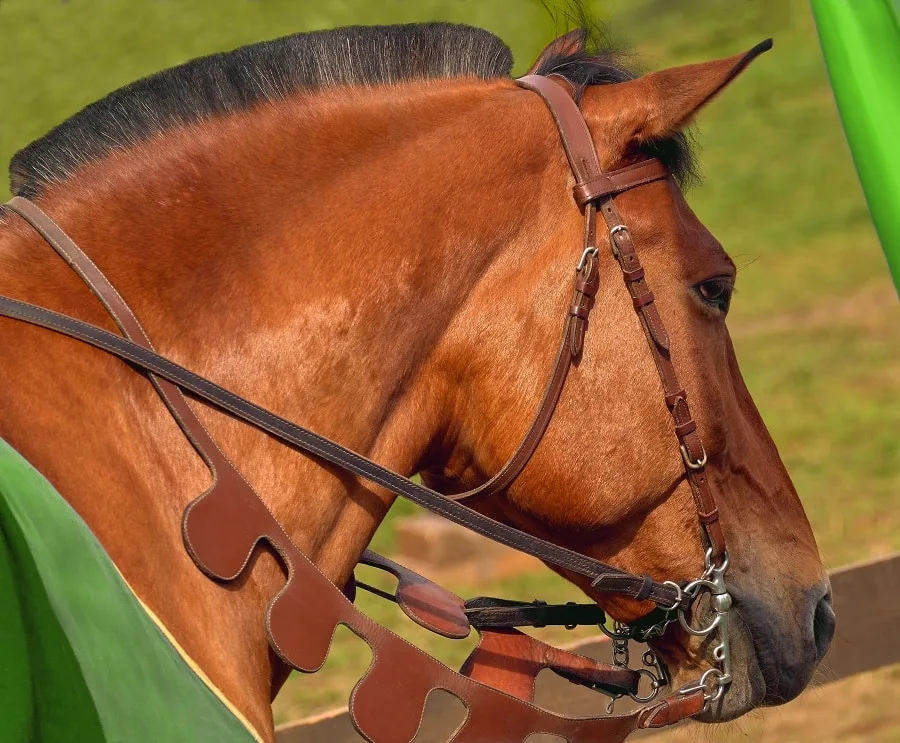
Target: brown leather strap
[590,180]
[510,660]
[573,130]
[672,709]
[592,184]
[693,453]
[592,187]
[505,658]
[225,475]
[619,181]
[570,348]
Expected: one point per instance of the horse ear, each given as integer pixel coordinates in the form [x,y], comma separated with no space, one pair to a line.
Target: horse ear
[567,44]
[659,104]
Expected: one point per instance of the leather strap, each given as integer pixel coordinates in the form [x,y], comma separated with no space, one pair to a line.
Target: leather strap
[693,453]
[510,660]
[590,183]
[488,612]
[223,471]
[573,130]
[595,187]
[604,577]
[226,478]
[437,609]
[619,181]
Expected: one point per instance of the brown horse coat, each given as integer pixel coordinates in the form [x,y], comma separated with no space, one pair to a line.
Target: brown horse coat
[388,266]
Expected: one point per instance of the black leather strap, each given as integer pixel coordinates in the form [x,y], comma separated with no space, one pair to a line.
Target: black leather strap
[489,612]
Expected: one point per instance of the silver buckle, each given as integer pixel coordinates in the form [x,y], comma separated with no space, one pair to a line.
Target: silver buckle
[589,250]
[612,235]
[699,464]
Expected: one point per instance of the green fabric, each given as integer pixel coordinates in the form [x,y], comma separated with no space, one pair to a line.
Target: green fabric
[861,44]
[80,660]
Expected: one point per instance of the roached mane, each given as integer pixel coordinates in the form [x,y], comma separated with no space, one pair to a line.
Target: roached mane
[272,70]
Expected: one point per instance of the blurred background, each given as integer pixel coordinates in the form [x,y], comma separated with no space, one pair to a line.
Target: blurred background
[815,321]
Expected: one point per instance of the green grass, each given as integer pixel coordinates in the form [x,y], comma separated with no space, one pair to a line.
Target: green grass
[815,319]
[60,56]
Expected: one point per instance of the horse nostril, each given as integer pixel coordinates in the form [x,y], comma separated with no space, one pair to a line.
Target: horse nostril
[823,625]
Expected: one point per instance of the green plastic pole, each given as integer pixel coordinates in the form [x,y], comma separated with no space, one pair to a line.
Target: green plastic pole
[861,44]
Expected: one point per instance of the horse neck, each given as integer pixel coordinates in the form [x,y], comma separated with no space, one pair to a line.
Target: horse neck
[309,255]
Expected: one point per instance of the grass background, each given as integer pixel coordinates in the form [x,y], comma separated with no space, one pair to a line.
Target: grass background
[815,321]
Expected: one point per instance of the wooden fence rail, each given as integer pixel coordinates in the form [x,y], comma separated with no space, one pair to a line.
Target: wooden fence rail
[867,604]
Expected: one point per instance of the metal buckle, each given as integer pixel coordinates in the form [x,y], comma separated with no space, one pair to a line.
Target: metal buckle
[589,250]
[678,596]
[612,234]
[699,464]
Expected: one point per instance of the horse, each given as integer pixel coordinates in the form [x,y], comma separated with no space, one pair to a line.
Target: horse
[369,231]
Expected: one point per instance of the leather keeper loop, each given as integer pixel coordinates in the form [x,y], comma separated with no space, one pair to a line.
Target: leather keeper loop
[709,518]
[672,400]
[644,591]
[685,428]
[617,181]
[577,310]
[632,276]
[642,300]
[594,189]
[588,288]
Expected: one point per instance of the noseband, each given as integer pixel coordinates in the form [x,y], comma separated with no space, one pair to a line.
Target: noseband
[223,525]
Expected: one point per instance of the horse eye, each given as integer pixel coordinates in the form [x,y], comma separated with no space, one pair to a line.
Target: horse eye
[716,293]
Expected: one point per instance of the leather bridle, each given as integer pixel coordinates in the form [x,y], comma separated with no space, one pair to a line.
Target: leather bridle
[222,526]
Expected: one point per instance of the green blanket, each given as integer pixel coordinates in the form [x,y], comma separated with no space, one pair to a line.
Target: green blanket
[80,660]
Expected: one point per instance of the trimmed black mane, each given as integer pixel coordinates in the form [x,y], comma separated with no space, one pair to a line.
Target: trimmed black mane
[272,70]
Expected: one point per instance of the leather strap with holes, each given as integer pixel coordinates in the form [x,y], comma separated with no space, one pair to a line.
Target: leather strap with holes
[592,186]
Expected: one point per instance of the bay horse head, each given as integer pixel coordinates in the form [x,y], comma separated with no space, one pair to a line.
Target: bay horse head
[371,232]
[607,477]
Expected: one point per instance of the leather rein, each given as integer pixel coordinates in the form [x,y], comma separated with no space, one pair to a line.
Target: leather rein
[222,526]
